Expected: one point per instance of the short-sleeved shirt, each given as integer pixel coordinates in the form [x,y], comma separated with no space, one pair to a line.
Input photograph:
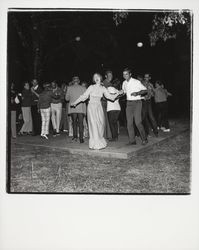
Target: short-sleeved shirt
[133,85]
[113,105]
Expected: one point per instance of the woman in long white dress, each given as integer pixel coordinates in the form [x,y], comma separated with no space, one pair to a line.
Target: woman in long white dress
[95,114]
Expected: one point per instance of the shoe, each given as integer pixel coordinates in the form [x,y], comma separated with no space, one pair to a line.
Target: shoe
[74,139]
[162,128]
[54,133]
[131,143]
[144,142]
[65,130]
[81,141]
[57,133]
[21,133]
[44,137]
[167,130]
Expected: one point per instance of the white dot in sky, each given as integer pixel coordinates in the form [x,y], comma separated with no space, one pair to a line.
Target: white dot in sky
[77,38]
[140,44]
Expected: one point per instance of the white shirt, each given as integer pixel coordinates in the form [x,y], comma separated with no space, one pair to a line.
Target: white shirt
[113,105]
[133,85]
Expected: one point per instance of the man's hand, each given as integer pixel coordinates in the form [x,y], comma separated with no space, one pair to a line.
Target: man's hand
[134,94]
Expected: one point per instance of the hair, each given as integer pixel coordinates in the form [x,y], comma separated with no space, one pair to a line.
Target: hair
[85,83]
[116,83]
[158,82]
[26,83]
[54,81]
[108,71]
[46,85]
[101,78]
[127,69]
[75,76]
[140,76]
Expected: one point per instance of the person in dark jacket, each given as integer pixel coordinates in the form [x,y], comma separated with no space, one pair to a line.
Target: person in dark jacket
[36,117]
[64,116]
[26,110]
[44,107]
[57,95]
[13,107]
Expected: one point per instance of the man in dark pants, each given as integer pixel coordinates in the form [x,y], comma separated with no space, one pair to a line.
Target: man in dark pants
[133,89]
[147,113]
[77,113]
[36,117]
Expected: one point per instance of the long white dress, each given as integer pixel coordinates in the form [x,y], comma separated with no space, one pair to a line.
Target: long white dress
[95,114]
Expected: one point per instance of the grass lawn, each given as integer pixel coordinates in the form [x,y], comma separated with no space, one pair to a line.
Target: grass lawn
[162,169]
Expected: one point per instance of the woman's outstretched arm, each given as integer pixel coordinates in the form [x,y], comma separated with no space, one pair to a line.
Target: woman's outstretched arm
[82,97]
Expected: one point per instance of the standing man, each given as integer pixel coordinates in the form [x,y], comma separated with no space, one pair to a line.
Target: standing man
[107,83]
[147,113]
[77,113]
[36,117]
[133,89]
[57,97]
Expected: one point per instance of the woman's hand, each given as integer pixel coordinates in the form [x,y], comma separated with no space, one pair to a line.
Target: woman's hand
[121,92]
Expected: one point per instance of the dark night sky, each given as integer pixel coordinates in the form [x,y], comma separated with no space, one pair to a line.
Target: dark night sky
[102,46]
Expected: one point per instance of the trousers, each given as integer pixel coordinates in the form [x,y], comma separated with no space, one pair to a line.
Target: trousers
[77,121]
[56,112]
[113,116]
[133,113]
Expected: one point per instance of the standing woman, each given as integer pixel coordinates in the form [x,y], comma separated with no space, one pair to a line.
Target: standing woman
[96,119]
[26,110]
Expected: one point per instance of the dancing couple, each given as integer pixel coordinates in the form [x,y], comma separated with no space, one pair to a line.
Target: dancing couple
[95,113]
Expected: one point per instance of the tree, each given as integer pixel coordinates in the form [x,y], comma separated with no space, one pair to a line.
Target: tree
[165,24]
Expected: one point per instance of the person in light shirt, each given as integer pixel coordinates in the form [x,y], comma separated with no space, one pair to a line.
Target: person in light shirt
[133,89]
[113,111]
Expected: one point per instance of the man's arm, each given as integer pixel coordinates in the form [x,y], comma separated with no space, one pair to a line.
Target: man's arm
[67,96]
[143,90]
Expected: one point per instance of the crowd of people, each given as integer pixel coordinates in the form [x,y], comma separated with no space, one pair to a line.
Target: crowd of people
[82,110]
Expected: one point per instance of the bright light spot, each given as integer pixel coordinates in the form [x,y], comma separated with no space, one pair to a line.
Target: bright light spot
[77,38]
[140,44]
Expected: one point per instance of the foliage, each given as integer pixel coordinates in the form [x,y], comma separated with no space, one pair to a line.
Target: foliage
[166,25]
[119,16]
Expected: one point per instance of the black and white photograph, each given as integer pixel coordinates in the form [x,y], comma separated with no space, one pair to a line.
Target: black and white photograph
[99,101]
[99,125]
